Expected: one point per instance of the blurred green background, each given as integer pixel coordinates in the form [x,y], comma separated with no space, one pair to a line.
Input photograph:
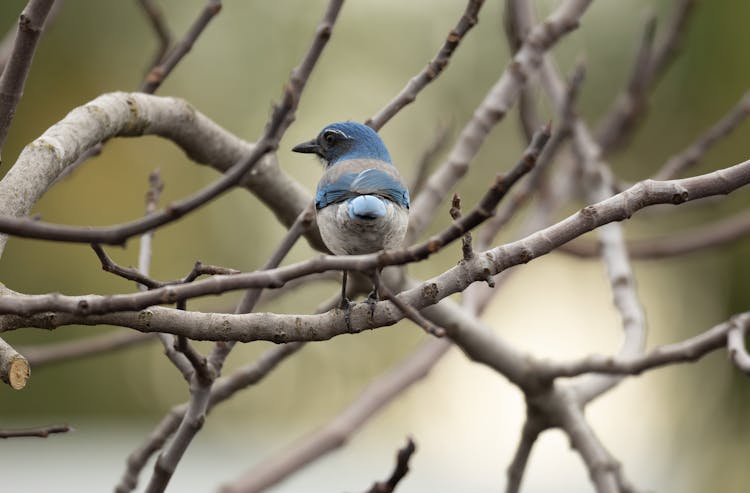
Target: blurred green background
[678,429]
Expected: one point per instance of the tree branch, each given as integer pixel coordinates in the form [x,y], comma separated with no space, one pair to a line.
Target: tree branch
[286,328]
[698,239]
[529,434]
[162,65]
[491,110]
[693,154]
[13,79]
[433,69]
[399,472]
[40,432]
[39,356]
[686,351]
[159,25]
[338,430]
[14,368]
[736,341]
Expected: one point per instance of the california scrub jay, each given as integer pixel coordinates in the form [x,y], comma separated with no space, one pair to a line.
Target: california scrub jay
[362,203]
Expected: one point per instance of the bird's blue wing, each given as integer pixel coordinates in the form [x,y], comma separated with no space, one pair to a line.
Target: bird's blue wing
[330,192]
[378,182]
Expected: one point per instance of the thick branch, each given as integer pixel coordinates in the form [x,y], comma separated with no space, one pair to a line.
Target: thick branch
[284,328]
[134,114]
[14,368]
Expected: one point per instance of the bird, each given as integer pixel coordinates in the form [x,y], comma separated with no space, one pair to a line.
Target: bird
[361,202]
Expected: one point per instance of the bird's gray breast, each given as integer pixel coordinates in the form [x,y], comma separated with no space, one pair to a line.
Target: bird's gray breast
[344,235]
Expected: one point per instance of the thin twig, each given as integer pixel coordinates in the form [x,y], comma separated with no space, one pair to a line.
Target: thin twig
[13,79]
[40,432]
[686,351]
[651,64]
[487,234]
[39,356]
[427,160]
[159,25]
[466,249]
[678,163]
[433,69]
[411,313]
[155,188]
[157,74]
[698,239]
[399,472]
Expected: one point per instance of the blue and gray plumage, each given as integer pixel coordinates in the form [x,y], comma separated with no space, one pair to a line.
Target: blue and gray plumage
[361,201]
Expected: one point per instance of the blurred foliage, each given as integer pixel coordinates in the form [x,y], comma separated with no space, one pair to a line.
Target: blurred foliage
[234,72]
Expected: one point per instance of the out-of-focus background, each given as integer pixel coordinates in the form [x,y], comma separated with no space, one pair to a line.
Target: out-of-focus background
[678,429]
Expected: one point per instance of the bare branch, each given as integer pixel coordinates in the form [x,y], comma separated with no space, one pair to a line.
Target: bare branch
[223,389]
[207,370]
[455,212]
[491,110]
[13,79]
[678,163]
[700,238]
[155,187]
[14,368]
[337,431]
[604,470]
[285,328]
[399,472]
[123,114]
[736,341]
[277,277]
[601,185]
[490,230]
[651,64]
[433,69]
[411,313]
[39,356]
[40,432]
[157,74]
[159,24]
[529,434]
[686,351]
[427,160]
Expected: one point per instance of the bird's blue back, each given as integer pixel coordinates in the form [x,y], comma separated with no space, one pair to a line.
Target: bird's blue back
[360,167]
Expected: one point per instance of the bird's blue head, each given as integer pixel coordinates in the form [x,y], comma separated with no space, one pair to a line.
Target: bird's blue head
[346,140]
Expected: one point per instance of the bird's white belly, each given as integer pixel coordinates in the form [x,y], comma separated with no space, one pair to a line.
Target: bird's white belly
[344,235]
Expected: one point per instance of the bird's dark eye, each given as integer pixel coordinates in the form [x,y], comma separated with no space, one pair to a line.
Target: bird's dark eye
[330,137]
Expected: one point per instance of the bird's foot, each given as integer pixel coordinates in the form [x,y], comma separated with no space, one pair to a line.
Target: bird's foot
[346,304]
[371,300]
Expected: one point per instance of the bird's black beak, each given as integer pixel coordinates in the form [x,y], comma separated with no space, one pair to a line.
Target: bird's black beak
[309,147]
